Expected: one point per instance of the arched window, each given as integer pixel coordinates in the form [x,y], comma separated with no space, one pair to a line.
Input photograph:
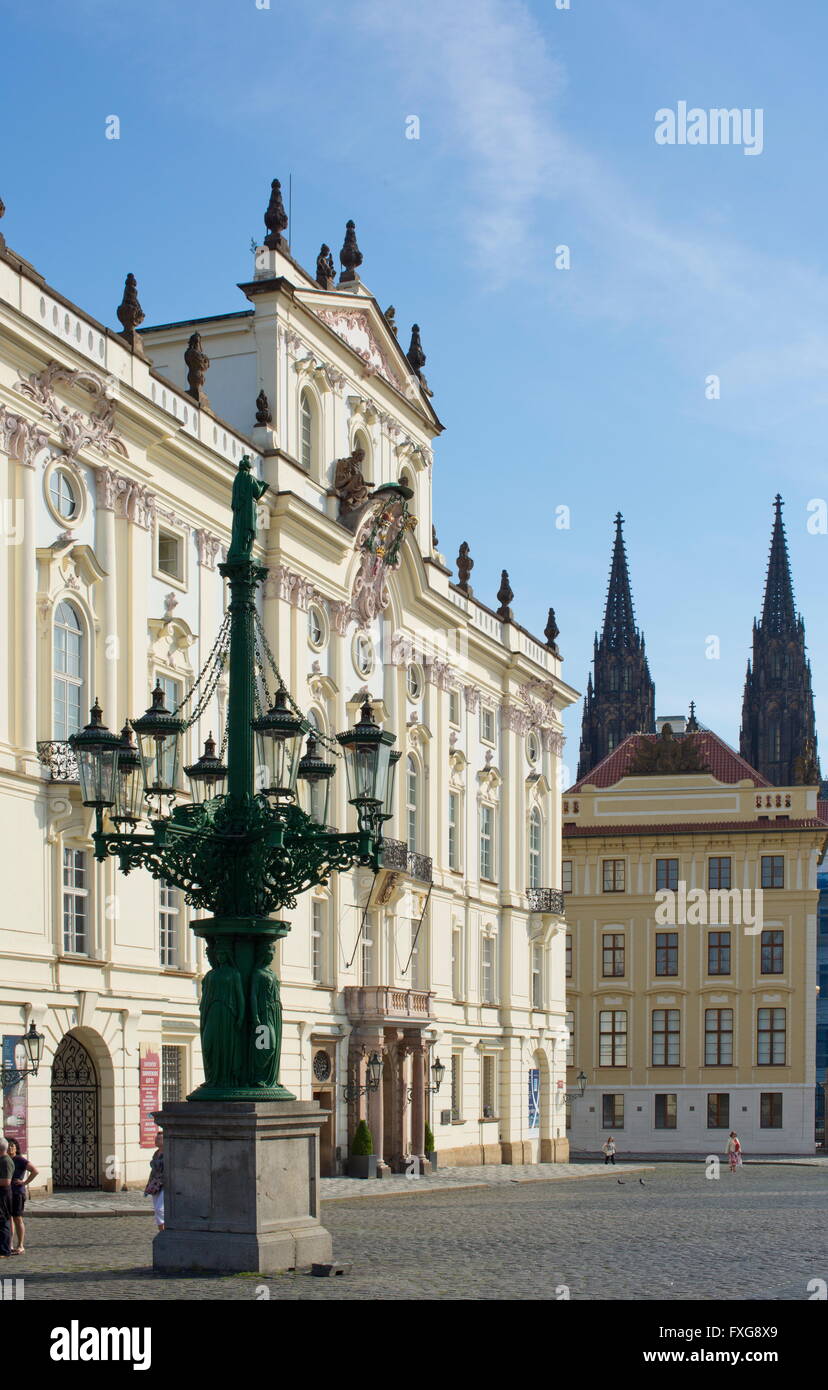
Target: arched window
[306,424]
[362,442]
[411,805]
[535,856]
[67,671]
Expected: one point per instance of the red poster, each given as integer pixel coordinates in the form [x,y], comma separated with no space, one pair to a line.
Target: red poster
[149,1079]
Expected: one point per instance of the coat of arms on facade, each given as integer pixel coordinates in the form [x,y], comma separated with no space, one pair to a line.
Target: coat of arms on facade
[379,544]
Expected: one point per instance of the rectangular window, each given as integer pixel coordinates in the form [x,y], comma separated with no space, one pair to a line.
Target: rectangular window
[171,554]
[773,871]
[172,1073]
[454,708]
[568,955]
[718,1110]
[770,1110]
[318,940]
[570,1042]
[718,872]
[718,953]
[454,831]
[487,842]
[666,1037]
[612,1111]
[75,903]
[566,875]
[487,724]
[367,955]
[666,961]
[568,1112]
[537,977]
[666,1111]
[614,875]
[718,1037]
[456,1086]
[489,1097]
[169,908]
[487,983]
[667,874]
[612,1038]
[770,1038]
[773,952]
[417,953]
[457,962]
[613,954]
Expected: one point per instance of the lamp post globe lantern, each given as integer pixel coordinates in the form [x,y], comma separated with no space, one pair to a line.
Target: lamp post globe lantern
[159,737]
[367,750]
[127,807]
[208,775]
[96,750]
[279,745]
[314,783]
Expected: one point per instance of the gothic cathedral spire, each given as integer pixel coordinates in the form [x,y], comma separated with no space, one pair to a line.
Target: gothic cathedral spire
[622,699]
[778,735]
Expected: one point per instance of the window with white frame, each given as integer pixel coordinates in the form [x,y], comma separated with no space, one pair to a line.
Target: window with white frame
[566,875]
[454,831]
[535,850]
[487,832]
[457,962]
[75,902]
[570,1042]
[454,708]
[412,800]
[487,724]
[62,494]
[488,983]
[456,1086]
[488,1086]
[366,954]
[169,912]
[418,953]
[319,916]
[170,554]
[537,977]
[306,423]
[67,680]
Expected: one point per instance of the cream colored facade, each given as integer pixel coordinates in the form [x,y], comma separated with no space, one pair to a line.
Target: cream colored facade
[684,1039]
[116,489]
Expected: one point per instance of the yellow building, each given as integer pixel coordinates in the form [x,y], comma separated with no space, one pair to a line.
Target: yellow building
[691,917]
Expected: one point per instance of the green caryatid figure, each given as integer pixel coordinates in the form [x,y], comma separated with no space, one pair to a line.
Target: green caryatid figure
[246,493]
[222,1021]
[266,1020]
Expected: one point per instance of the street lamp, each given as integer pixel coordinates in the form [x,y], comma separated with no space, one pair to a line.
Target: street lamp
[33,1047]
[581,1081]
[438,1071]
[373,1076]
[241,854]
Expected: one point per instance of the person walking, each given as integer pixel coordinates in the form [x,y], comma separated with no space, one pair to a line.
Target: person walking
[6,1175]
[608,1150]
[734,1151]
[155,1186]
[24,1173]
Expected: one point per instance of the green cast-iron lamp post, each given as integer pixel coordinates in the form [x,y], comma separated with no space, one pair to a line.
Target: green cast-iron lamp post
[255,834]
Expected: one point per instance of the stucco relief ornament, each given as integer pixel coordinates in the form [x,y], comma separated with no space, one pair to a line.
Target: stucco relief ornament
[76,431]
[21,439]
[380,542]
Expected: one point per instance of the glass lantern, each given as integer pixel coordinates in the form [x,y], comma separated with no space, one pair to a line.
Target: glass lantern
[314,783]
[96,750]
[279,744]
[128,806]
[159,737]
[388,806]
[33,1046]
[367,750]
[209,775]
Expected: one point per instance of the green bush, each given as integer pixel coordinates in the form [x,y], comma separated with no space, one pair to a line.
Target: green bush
[362,1143]
[429,1140]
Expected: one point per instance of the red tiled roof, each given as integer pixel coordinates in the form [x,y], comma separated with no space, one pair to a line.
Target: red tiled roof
[707,827]
[722,761]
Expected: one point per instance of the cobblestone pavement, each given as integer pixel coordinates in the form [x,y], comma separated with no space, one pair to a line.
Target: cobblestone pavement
[339,1189]
[757,1235]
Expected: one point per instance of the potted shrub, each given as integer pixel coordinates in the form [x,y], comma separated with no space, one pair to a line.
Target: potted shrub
[362,1161]
[430,1152]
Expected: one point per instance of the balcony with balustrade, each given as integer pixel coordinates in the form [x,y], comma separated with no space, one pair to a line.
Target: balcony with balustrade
[381,1005]
[397,858]
[548,902]
[57,758]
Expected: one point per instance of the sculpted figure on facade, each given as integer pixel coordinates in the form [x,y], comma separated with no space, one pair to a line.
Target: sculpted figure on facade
[349,484]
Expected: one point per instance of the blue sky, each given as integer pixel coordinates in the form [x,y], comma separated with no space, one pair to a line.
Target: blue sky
[582,387]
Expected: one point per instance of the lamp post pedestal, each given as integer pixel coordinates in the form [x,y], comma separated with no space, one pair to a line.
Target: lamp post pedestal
[242,1188]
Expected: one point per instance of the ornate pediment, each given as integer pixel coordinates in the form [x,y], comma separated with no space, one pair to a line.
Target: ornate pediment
[354,327]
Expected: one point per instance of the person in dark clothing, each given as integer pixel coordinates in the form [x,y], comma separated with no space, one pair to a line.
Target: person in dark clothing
[6,1175]
[24,1173]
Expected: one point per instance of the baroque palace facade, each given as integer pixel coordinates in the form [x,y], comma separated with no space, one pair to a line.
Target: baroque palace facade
[692,898]
[117,455]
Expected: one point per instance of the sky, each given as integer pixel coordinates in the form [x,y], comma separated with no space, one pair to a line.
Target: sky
[676,370]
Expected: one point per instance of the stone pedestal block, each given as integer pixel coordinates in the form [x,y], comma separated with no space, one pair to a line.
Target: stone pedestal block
[241,1187]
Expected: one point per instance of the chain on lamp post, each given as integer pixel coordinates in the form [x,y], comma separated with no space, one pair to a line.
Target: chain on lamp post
[246,846]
